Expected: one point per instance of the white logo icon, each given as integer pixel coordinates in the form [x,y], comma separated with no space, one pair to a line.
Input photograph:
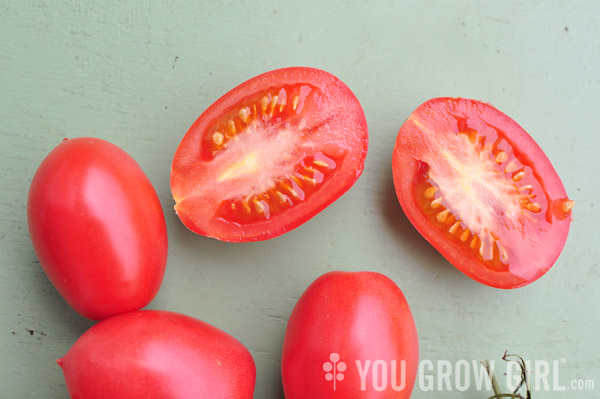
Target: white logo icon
[334,369]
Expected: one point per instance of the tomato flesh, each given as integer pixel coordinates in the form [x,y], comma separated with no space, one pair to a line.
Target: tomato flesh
[480,189]
[269,155]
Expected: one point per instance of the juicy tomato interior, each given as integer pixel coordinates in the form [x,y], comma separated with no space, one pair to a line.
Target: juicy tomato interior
[269,155]
[478,187]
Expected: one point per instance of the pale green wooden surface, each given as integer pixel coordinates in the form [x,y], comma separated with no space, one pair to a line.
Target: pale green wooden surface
[138,74]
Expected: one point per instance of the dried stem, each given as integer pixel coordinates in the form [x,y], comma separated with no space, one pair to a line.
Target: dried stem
[524,380]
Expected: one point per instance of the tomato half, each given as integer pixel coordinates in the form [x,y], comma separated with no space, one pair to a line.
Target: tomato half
[351,335]
[269,155]
[151,354]
[481,191]
[97,228]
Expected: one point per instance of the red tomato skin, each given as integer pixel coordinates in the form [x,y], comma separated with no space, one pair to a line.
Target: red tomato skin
[153,354]
[97,228]
[352,122]
[359,315]
[405,165]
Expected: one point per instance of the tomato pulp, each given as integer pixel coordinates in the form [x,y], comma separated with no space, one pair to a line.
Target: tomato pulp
[351,335]
[269,155]
[152,354]
[481,191]
[97,227]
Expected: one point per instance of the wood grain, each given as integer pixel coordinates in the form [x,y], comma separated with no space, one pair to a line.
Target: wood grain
[139,73]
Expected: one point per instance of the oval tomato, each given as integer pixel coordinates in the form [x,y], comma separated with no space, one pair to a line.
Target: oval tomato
[97,228]
[351,335]
[269,155]
[481,191]
[152,354]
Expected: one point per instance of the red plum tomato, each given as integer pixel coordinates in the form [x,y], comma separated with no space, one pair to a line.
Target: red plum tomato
[97,228]
[152,354]
[351,335]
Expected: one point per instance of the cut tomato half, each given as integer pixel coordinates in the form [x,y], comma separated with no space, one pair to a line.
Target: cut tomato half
[481,191]
[269,155]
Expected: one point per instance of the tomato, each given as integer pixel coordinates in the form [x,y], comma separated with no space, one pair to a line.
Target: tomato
[351,335]
[151,354]
[269,155]
[97,228]
[481,191]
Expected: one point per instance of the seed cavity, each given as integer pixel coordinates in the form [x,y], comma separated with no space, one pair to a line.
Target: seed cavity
[436,203]
[442,216]
[512,166]
[486,244]
[280,197]
[501,157]
[282,194]
[267,107]
[493,179]
[473,243]
[273,104]
[218,138]
[231,128]
[430,192]
[454,228]
[244,113]
[503,253]
[263,103]
[258,206]
[464,236]
[308,179]
[246,207]
[518,176]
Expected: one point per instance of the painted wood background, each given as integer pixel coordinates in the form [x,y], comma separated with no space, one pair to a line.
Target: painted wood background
[139,73]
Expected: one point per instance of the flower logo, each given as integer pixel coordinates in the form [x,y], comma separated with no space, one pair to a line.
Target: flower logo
[334,369]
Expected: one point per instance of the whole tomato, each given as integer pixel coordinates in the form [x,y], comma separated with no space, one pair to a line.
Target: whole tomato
[351,335]
[97,228]
[152,354]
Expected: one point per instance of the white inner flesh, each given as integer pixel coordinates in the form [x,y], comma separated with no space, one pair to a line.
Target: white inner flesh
[472,187]
[264,152]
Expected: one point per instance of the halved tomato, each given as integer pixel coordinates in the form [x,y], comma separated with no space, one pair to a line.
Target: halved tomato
[269,155]
[481,191]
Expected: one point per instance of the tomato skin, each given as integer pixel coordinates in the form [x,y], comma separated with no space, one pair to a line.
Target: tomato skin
[97,227]
[336,104]
[535,246]
[152,354]
[362,316]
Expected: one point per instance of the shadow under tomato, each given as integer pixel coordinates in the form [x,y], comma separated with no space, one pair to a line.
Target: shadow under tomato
[228,275]
[59,316]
